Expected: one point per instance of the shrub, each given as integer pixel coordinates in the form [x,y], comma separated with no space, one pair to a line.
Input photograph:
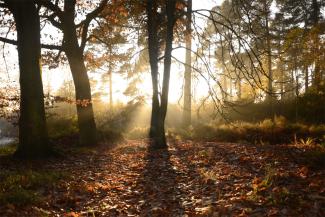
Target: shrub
[62,126]
[272,132]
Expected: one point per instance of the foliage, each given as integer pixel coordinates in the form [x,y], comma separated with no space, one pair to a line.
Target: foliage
[9,102]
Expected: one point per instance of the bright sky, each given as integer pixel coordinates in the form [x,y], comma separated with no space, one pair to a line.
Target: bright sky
[54,78]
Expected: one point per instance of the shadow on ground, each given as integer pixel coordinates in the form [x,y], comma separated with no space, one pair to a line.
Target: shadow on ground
[158,186]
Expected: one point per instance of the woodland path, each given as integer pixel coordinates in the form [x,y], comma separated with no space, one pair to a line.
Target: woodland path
[188,179]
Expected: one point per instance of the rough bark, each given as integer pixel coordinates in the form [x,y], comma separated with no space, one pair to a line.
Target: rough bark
[33,137]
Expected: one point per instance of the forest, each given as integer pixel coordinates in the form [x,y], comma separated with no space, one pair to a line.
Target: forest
[162,108]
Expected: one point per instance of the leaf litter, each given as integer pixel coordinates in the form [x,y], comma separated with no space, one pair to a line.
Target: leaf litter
[189,179]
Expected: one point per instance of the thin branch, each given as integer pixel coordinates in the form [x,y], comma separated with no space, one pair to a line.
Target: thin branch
[46,46]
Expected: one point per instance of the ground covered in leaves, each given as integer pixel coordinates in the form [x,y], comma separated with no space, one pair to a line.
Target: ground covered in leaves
[188,179]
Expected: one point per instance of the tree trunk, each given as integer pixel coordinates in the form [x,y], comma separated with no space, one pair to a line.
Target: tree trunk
[170,9]
[297,86]
[159,109]
[74,53]
[224,86]
[315,19]
[292,87]
[110,78]
[306,78]
[33,137]
[153,46]
[239,91]
[86,120]
[231,89]
[282,81]
[188,67]
[269,52]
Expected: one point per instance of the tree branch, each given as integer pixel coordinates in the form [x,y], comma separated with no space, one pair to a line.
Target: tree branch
[46,46]
[85,23]
[53,7]
[53,21]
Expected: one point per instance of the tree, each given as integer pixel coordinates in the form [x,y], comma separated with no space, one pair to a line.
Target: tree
[307,13]
[188,67]
[33,138]
[64,20]
[160,101]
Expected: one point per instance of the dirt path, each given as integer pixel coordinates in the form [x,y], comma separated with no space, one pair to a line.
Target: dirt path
[189,179]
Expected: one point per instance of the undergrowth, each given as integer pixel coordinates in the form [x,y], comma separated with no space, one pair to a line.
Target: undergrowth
[8,149]
[277,131]
[24,187]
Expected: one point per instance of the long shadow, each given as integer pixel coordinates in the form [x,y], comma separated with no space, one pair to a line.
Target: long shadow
[158,186]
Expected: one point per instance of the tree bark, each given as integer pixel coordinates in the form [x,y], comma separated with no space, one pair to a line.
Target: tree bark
[74,53]
[188,68]
[33,137]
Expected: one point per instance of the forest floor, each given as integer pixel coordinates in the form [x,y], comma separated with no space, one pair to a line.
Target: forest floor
[188,179]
